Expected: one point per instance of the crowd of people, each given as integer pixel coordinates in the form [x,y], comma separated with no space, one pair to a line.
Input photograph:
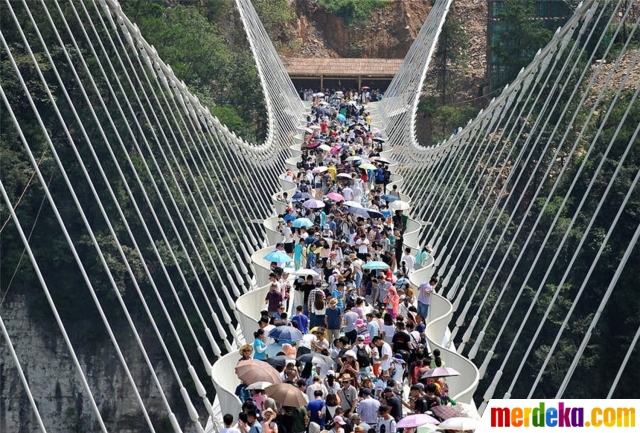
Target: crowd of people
[363,339]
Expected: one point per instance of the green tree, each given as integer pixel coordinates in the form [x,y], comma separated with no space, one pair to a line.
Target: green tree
[516,38]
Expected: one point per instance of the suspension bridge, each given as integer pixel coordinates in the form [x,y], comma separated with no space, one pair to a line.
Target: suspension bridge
[166,215]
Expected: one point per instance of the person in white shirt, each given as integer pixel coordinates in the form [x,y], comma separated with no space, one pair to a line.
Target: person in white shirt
[409,260]
[347,193]
[316,385]
[227,419]
[384,350]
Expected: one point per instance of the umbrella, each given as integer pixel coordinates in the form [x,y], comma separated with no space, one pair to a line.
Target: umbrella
[305,272]
[445,412]
[399,205]
[352,203]
[380,159]
[308,130]
[379,139]
[316,127]
[367,213]
[315,358]
[278,257]
[345,176]
[367,166]
[366,87]
[335,149]
[320,169]
[324,147]
[376,264]
[374,214]
[252,371]
[354,158]
[416,419]
[286,394]
[259,385]
[459,423]
[313,204]
[335,196]
[440,371]
[301,195]
[313,145]
[376,131]
[280,360]
[387,197]
[427,428]
[288,333]
[302,222]
[320,95]
[341,117]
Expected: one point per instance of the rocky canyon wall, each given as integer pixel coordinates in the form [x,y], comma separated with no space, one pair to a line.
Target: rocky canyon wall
[55,382]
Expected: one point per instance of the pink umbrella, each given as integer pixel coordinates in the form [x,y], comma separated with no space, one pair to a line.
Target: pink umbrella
[416,420]
[320,169]
[335,196]
[441,372]
[335,149]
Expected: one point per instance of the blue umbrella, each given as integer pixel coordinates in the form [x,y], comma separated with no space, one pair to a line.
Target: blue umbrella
[376,264]
[278,257]
[285,333]
[302,222]
[387,197]
[302,195]
[341,117]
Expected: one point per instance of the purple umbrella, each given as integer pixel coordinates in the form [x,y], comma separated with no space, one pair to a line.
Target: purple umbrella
[313,204]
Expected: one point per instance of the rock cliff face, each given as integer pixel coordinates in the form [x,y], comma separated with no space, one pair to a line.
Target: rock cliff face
[388,34]
[58,391]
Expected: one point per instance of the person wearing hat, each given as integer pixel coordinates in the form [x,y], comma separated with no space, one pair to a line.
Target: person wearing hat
[385,422]
[333,319]
[393,403]
[368,408]
[338,422]
[246,352]
[348,394]
[269,421]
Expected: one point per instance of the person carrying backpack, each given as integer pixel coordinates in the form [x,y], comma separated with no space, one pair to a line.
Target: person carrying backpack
[363,356]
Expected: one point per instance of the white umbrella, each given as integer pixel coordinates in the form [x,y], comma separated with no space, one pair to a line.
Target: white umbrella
[459,423]
[259,385]
[399,205]
[324,147]
[305,272]
[352,203]
[320,95]
[354,158]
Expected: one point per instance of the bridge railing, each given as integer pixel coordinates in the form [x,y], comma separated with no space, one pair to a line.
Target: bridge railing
[461,387]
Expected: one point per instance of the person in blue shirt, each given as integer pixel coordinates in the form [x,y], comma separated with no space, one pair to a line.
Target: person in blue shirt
[259,345]
[333,319]
[316,409]
[301,320]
